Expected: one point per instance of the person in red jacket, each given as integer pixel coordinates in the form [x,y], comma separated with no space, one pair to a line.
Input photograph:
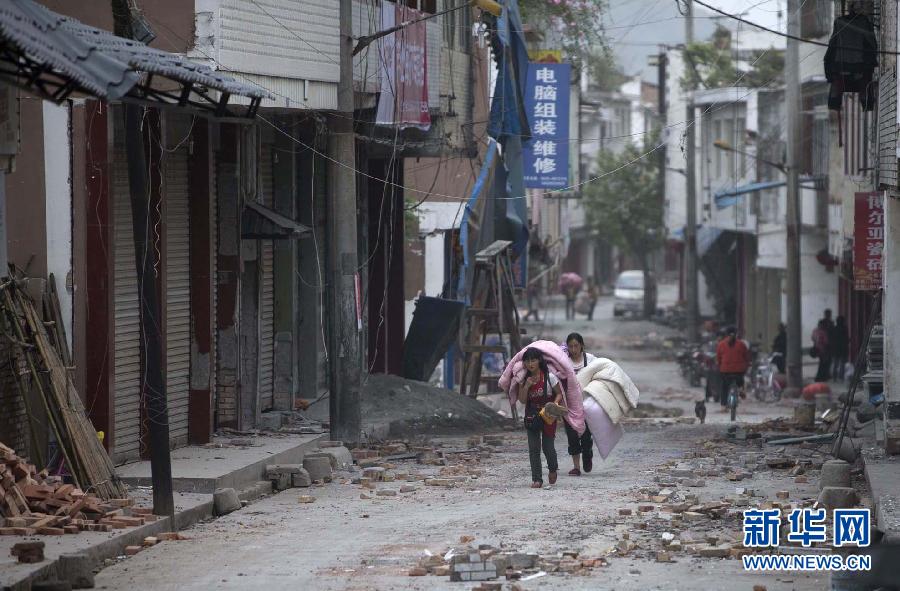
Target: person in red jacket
[733,359]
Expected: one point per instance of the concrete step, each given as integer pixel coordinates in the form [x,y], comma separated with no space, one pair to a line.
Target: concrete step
[203,469]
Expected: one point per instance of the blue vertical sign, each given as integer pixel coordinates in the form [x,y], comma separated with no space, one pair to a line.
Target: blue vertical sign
[546,155]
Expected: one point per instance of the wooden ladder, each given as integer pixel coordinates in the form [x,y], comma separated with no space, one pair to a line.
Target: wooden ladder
[492,311]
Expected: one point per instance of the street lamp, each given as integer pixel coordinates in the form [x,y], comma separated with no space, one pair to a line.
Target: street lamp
[723,145]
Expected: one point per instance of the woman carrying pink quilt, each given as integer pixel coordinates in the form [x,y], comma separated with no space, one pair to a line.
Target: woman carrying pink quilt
[558,364]
[541,394]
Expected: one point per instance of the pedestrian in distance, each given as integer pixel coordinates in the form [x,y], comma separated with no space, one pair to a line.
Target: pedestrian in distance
[593,294]
[840,349]
[732,359]
[533,293]
[581,448]
[821,350]
[571,294]
[779,345]
[540,389]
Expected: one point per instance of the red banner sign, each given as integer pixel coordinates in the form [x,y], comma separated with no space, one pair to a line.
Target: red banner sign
[868,240]
[404,74]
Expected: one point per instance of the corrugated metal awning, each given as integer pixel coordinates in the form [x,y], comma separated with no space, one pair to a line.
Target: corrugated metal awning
[55,55]
[728,197]
[260,222]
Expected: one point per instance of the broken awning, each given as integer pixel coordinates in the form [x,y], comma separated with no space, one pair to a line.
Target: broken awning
[706,236]
[55,55]
[728,197]
[258,221]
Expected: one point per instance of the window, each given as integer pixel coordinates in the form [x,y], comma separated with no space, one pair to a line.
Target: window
[740,134]
[815,18]
[717,135]
[451,33]
[423,5]
[464,25]
[728,130]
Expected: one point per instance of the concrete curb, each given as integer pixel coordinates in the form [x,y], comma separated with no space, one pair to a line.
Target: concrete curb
[884,482]
[115,546]
[240,478]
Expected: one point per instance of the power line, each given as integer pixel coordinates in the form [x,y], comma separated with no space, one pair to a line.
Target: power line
[779,33]
[412,190]
[366,40]
[456,197]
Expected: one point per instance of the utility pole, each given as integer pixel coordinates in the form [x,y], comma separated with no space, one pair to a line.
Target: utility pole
[792,99]
[154,386]
[345,356]
[690,230]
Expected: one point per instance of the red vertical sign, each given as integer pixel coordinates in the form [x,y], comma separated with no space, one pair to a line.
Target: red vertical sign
[868,240]
[412,69]
[404,69]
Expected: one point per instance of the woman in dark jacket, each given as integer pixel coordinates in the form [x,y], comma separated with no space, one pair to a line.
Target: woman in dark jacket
[839,340]
[822,350]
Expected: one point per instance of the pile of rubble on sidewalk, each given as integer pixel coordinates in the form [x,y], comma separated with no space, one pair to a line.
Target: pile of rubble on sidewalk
[670,519]
[448,466]
[33,502]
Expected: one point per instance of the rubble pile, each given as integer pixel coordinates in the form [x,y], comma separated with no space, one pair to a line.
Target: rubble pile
[670,519]
[33,502]
[468,563]
[412,408]
[448,467]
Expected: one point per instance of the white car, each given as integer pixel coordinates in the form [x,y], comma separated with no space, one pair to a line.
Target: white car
[629,293]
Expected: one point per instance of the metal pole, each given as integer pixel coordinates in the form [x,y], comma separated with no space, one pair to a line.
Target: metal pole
[4,258]
[792,100]
[690,230]
[345,356]
[154,386]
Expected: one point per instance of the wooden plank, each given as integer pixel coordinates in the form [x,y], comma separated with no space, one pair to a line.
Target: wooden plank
[492,250]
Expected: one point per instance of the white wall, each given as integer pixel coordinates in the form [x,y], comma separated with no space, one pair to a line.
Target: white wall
[676,187]
[255,47]
[818,287]
[58,190]
[435,217]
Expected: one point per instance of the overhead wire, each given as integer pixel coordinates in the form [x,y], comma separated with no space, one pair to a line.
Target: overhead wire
[779,33]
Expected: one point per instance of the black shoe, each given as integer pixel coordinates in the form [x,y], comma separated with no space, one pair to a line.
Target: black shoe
[587,462]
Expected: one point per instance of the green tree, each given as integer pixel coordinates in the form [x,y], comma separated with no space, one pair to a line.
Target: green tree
[603,70]
[576,22]
[711,64]
[625,207]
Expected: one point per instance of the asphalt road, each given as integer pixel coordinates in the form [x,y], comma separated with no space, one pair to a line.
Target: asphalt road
[344,542]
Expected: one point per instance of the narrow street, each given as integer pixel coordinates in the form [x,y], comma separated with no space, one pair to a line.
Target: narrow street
[343,541]
[265,264]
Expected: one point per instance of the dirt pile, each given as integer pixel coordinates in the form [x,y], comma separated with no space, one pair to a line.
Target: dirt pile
[415,409]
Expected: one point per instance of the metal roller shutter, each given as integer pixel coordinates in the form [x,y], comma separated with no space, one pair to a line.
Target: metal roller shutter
[178,294]
[267,290]
[214,269]
[127,361]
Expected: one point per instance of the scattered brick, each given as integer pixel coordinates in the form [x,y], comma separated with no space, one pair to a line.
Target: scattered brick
[28,552]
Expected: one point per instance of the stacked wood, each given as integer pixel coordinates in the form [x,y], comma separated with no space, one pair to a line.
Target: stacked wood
[32,502]
[85,457]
